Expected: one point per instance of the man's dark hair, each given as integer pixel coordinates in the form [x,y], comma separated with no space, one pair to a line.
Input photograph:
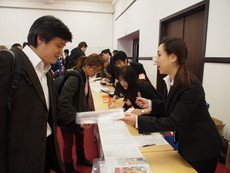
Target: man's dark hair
[48,27]
[120,55]
[82,44]
[115,51]
[66,51]
[24,44]
[15,45]
[106,51]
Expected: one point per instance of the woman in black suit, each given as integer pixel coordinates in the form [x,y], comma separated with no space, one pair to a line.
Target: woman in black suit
[184,107]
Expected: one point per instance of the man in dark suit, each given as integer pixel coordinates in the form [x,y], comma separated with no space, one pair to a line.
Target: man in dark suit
[67,58]
[28,135]
[77,53]
[110,70]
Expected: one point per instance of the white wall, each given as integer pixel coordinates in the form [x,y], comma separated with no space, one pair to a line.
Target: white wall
[91,24]
[216,79]
[216,83]
[145,16]
[218,34]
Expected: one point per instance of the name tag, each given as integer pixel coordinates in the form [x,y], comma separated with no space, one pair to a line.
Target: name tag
[142,76]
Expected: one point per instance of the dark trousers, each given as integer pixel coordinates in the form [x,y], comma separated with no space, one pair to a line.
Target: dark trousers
[205,166]
[69,139]
[51,162]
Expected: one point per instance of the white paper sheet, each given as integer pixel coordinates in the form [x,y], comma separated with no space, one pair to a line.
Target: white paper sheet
[121,151]
[93,117]
[155,139]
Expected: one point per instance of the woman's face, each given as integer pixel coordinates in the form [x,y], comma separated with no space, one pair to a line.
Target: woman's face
[91,71]
[120,63]
[123,83]
[163,61]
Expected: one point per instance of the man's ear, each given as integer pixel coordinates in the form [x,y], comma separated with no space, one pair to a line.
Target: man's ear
[39,40]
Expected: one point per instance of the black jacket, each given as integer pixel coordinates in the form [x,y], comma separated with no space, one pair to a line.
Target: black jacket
[67,60]
[75,54]
[23,129]
[146,90]
[139,69]
[186,113]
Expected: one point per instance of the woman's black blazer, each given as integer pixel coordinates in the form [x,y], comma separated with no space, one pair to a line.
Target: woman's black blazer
[186,113]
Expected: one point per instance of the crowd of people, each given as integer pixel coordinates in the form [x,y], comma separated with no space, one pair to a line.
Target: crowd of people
[28,122]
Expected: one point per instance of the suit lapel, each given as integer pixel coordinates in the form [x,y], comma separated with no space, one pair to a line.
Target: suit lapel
[50,88]
[169,96]
[29,69]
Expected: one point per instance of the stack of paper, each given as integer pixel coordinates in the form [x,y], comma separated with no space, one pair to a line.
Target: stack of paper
[93,117]
[116,140]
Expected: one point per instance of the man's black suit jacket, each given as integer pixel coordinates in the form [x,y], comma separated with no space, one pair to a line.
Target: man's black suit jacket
[23,129]
[186,113]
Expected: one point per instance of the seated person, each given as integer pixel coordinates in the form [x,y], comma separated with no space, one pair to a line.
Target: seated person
[132,87]
[120,59]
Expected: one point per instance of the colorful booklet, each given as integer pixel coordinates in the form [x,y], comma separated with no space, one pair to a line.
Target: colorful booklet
[130,165]
[132,169]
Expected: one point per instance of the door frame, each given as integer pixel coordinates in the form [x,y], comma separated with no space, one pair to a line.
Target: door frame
[201,6]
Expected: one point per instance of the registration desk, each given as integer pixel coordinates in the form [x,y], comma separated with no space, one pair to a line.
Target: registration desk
[161,158]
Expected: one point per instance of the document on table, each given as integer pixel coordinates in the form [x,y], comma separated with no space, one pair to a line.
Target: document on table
[110,128]
[116,140]
[148,140]
[121,151]
[93,117]
[96,86]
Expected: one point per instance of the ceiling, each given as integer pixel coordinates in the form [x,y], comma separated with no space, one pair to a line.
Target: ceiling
[53,1]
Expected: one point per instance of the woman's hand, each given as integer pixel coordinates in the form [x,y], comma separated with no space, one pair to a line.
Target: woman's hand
[130,118]
[113,100]
[142,102]
[86,126]
[137,111]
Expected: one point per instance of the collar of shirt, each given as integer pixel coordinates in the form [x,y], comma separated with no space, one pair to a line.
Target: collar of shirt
[37,63]
[168,82]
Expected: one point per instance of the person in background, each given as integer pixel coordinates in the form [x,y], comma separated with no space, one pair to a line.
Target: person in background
[114,52]
[16,45]
[110,70]
[133,87]
[2,47]
[76,97]
[24,44]
[185,109]
[67,58]
[121,60]
[77,53]
[28,134]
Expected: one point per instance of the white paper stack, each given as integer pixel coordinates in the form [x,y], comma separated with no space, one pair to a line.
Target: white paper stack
[93,117]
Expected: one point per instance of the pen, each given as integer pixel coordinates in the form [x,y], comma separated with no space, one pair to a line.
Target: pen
[148,145]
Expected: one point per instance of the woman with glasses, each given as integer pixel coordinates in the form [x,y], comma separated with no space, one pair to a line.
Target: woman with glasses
[76,97]
[185,109]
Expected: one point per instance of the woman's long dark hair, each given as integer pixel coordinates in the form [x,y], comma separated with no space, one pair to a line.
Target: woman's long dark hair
[128,74]
[178,47]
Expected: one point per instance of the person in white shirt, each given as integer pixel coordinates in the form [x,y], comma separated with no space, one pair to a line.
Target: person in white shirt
[28,121]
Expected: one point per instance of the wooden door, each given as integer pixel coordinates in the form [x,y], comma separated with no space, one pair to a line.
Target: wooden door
[190,25]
